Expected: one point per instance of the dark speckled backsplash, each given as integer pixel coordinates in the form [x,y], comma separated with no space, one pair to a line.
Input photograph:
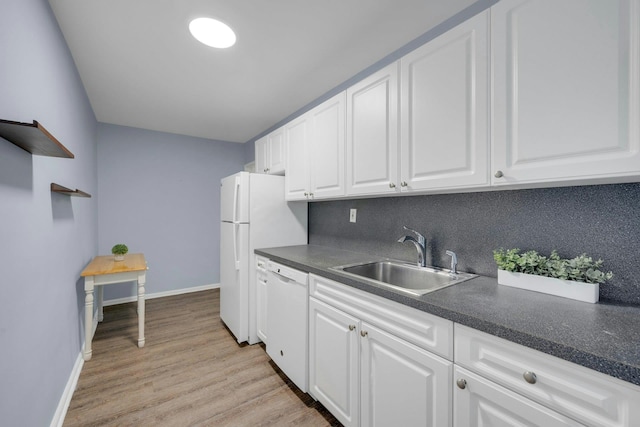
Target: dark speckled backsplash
[601,220]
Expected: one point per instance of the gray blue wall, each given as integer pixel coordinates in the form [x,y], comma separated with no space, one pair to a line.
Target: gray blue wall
[602,220]
[45,239]
[160,195]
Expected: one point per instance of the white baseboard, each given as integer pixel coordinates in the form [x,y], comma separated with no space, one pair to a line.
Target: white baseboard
[134,298]
[65,400]
[70,388]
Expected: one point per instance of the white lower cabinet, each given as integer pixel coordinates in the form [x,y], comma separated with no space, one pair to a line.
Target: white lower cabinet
[402,384]
[480,402]
[367,375]
[261,297]
[543,383]
[334,361]
[375,362]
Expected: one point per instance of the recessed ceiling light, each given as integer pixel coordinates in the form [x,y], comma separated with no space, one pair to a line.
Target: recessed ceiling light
[212,32]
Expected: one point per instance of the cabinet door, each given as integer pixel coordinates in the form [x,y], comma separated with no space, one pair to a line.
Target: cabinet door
[483,403]
[372,134]
[262,152]
[334,361]
[566,90]
[402,384]
[444,110]
[327,148]
[261,298]
[276,154]
[296,180]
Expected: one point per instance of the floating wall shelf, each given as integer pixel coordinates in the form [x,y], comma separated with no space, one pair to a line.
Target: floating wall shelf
[56,188]
[34,138]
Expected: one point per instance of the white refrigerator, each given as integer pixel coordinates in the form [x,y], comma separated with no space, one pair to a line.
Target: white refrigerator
[254,215]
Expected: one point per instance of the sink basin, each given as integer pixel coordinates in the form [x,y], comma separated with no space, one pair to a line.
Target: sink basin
[404,277]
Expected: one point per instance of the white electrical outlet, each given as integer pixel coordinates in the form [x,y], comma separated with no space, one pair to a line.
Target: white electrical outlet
[352,215]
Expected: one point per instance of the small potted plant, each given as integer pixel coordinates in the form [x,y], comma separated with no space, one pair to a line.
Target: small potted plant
[578,278]
[119,251]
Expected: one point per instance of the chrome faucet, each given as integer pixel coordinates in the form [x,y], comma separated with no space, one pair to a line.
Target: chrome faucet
[421,245]
[454,262]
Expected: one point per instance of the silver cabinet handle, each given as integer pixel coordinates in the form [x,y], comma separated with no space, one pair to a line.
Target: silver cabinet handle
[352,327]
[364,333]
[461,383]
[306,194]
[530,377]
[310,194]
[404,184]
[499,174]
[392,185]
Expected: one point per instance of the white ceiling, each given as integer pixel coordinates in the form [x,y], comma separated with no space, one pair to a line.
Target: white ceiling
[141,67]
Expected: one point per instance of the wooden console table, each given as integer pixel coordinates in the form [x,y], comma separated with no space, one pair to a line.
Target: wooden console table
[104,270]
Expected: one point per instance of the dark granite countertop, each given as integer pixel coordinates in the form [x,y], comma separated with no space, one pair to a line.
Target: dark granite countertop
[603,337]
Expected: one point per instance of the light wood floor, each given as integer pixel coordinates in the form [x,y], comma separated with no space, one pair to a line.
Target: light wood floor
[191,372]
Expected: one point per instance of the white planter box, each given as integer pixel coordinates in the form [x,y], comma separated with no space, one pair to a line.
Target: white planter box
[587,292]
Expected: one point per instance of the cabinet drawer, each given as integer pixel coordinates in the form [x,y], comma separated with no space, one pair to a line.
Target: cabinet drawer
[480,402]
[417,327]
[590,397]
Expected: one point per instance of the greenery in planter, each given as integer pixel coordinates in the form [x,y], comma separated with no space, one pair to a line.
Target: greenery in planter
[119,249]
[580,269]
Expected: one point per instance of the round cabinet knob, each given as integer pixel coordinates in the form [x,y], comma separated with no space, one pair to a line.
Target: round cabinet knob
[392,185]
[352,327]
[306,194]
[310,194]
[461,383]
[498,174]
[364,333]
[530,377]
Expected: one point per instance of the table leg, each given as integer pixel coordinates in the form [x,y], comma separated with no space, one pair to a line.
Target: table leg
[100,290]
[88,316]
[141,282]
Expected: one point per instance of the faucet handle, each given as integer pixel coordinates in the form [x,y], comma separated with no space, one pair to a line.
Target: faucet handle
[454,261]
[421,238]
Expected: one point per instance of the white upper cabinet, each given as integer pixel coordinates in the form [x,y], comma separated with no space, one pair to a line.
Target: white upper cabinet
[372,134]
[327,148]
[315,152]
[566,82]
[444,110]
[296,180]
[261,155]
[277,152]
[270,153]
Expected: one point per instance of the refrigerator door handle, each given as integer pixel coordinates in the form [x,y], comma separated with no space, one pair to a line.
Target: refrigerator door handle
[236,190]
[236,258]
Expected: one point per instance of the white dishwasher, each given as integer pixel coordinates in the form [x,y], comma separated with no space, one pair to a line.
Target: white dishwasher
[287,319]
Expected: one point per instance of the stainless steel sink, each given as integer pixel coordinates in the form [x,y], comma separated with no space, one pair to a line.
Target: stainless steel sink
[404,277]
